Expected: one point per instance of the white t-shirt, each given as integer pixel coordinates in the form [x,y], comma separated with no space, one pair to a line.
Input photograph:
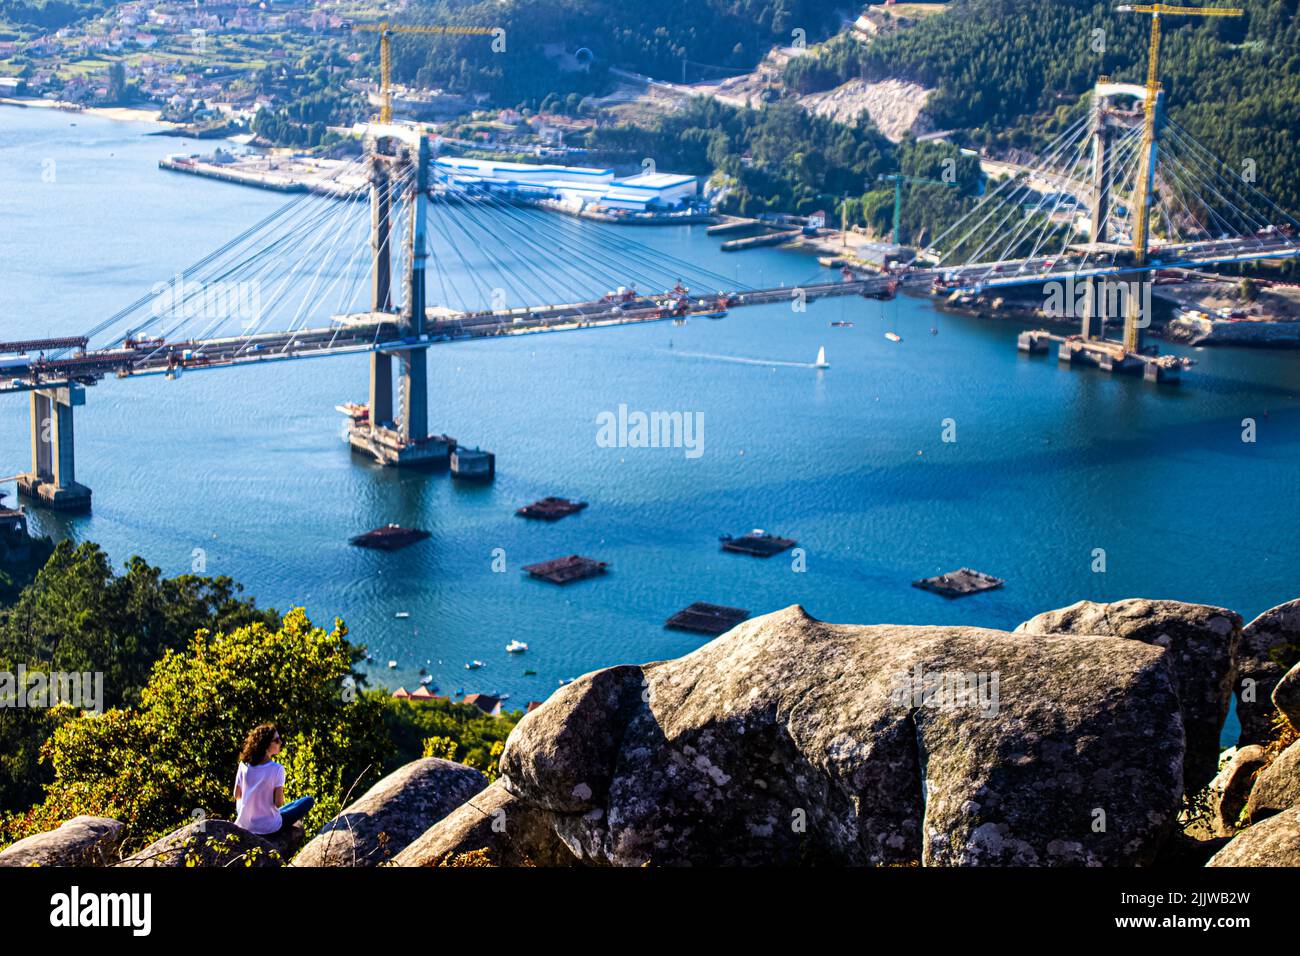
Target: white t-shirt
[257,811]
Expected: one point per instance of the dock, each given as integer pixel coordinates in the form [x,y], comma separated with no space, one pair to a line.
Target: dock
[551,508]
[733,226]
[566,570]
[767,239]
[959,583]
[1103,354]
[757,543]
[702,618]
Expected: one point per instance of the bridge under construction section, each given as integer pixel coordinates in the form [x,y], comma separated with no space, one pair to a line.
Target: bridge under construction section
[400,263]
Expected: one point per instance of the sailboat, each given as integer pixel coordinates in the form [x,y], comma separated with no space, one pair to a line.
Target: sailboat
[821,359]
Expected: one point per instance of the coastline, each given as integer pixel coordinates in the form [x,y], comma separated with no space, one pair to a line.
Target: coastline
[121,114]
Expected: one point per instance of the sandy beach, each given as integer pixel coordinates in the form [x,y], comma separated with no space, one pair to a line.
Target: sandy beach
[124,114]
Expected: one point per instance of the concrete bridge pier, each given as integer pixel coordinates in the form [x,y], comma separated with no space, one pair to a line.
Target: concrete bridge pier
[53,479]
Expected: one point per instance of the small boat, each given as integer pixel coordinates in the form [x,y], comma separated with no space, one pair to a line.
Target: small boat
[460,691]
[516,647]
[530,672]
[565,680]
[893,336]
[426,680]
[934,331]
[821,359]
[473,665]
[503,696]
[841,325]
[402,615]
[392,664]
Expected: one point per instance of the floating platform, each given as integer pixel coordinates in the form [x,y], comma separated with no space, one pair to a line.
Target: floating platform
[705,618]
[473,464]
[758,543]
[959,583]
[388,538]
[551,508]
[573,567]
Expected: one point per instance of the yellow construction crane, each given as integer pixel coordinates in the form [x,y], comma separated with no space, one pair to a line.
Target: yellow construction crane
[1146,170]
[386,31]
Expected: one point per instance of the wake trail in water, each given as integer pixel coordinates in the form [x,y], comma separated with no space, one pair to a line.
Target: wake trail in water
[738,359]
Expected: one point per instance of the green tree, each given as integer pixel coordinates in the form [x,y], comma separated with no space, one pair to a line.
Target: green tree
[77,615]
[156,765]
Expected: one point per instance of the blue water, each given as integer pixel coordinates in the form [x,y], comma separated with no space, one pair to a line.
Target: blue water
[248,464]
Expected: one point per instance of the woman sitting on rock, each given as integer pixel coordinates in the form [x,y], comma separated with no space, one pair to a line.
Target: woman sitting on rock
[259,786]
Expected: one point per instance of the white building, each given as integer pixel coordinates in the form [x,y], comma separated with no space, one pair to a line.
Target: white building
[573,184]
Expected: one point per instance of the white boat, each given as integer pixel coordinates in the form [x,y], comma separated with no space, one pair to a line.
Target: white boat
[392,663]
[893,336]
[473,665]
[821,359]
[516,647]
[402,615]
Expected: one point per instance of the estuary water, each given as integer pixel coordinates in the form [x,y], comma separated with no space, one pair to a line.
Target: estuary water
[245,468]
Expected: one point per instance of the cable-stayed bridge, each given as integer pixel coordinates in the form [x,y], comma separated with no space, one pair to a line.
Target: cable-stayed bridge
[404,260]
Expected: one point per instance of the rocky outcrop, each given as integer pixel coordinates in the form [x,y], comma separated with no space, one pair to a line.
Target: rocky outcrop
[896,107]
[1202,641]
[208,843]
[1274,842]
[790,740]
[1270,646]
[513,834]
[1277,333]
[1230,789]
[1286,696]
[392,814]
[1277,787]
[81,841]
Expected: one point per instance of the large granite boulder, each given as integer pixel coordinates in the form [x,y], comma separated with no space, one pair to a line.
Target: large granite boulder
[1202,641]
[1286,696]
[1270,646]
[513,834]
[789,740]
[1230,789]
[1277,787]
[392,813]
[81,841]
[208,843]
[1274,842]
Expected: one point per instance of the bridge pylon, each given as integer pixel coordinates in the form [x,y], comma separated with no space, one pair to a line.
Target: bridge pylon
[402,439]
[53,479]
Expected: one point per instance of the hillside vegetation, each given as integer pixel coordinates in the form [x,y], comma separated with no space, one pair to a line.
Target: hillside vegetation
[998,66]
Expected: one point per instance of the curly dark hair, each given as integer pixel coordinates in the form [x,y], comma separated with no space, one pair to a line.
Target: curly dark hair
[257,743]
